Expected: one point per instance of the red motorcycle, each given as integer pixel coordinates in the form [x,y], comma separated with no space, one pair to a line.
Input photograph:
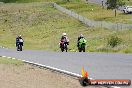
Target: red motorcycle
[63,46]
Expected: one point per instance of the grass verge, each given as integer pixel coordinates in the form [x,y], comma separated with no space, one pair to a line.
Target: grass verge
[96,12]
[10,61]
[128,2]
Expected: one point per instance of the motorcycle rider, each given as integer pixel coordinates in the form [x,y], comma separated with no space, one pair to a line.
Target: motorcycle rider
[19,40]
[81,36]
[64,40]
[81,40]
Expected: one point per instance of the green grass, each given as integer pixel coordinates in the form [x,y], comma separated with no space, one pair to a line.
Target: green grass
[91,11]
[125,45]
[26,1]
[128,2]
[10,61]
[95,12]
[41,26]
[29,1]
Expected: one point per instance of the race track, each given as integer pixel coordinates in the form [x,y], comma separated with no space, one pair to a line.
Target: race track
[99,65]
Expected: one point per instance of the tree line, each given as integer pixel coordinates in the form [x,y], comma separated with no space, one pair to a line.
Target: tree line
[8,1]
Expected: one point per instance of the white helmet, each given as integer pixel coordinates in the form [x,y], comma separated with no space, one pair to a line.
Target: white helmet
[19,35]
[63,34]
[81,35]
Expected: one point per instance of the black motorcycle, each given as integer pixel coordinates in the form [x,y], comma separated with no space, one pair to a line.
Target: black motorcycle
[19,47]
[63,46]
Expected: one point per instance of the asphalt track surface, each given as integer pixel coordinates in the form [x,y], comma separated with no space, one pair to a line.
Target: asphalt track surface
[98,65]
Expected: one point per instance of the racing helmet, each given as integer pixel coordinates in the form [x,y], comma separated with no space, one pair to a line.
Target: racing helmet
[64,34]
[81,35]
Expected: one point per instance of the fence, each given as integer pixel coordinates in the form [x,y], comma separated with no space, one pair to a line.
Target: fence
[93,23]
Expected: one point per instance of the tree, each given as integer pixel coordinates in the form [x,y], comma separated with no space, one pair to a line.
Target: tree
[114,4]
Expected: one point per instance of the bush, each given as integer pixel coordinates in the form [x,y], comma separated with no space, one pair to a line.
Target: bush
[127,51]
[114,41]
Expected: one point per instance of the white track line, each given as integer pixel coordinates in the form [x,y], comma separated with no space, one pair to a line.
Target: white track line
[53,68]
[3,56]
[49,67]
[13,58]
[3,47]
[9,57]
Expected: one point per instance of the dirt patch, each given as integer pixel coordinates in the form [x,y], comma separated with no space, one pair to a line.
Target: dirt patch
[26,76]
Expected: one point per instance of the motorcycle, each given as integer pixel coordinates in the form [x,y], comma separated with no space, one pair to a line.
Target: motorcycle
[81,47]
[63,46]
[19,47]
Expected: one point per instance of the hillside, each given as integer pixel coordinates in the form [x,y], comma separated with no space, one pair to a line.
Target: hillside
[42,26]
[25,1]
